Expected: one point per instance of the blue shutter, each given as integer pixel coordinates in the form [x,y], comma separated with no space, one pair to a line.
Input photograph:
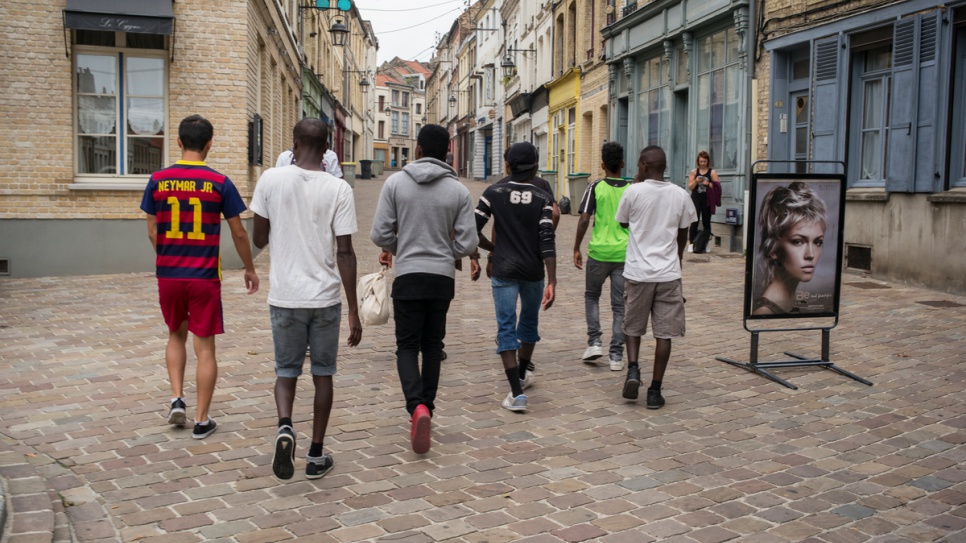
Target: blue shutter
[825,102]
[912,164]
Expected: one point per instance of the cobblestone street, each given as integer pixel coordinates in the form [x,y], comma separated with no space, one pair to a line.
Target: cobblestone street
[86,455]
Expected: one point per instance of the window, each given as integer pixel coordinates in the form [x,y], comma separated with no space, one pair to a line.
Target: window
[382,103]
[382,130]
[395,122]
[405,99]
[957,175]
[655,126]
[717,117]
[395,98]
[572,142]
[119,87]
[873,93]
[419,109]
[405,123]
[488,85]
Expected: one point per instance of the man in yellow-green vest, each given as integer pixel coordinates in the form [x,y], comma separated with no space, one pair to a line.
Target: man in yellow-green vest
[605,255]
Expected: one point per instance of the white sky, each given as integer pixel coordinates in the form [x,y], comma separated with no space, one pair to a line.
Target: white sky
[408,30]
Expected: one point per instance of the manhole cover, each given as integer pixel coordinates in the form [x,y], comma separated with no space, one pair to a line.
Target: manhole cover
[867,285]
[940,303]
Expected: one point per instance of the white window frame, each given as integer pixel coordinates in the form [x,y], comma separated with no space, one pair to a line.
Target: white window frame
[105,180]
[706,75]
[860,78]
[654,84]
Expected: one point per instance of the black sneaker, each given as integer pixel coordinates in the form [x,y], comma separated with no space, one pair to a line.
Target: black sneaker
[654,399]
[632,383]
[176,415]
[443,356]
[283,463]
[204,430]
[317,466]
[530,366]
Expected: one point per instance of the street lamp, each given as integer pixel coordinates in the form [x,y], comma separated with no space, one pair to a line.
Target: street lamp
[339,32]
[508,65]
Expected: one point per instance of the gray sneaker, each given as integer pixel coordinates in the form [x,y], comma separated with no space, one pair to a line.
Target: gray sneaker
[317,467]
[616,364]
[515,404]
[283,462]
[592,353]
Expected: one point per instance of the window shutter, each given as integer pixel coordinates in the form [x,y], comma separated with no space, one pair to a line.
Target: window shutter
[900,169]
[825,102]
[913,110]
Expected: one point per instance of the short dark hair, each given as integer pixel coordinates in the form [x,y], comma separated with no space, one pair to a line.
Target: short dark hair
[434,140]
[655,156]
[311,133]
[195,132]
[612,154]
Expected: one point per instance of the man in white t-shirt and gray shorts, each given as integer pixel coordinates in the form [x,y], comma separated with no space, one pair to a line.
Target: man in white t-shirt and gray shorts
[658,215]
[309,217]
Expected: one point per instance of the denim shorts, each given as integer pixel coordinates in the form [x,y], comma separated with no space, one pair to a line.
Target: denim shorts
[510,331]
[294,330]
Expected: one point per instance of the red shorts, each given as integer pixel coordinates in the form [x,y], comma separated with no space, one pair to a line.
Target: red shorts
[198,302]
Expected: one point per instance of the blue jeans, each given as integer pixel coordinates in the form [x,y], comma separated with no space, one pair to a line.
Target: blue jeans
[597,273]
[510,331]
[294,330]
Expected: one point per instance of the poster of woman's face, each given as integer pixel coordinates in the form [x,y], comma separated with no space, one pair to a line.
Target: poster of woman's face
[795,247]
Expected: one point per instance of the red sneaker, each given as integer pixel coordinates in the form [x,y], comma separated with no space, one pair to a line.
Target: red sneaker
[420,430]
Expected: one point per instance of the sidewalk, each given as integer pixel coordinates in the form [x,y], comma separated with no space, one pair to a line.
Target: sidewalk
[86,454]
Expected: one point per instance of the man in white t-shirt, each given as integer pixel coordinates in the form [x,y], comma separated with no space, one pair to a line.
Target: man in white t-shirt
[658,215]
[308,216]
[330,161]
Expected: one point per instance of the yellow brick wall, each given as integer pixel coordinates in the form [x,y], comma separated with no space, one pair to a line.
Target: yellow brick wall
[214,64]
[592,120]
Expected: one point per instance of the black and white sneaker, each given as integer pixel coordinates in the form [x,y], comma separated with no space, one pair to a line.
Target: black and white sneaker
[317,466]
[202,431]
[283,463]
[176,415]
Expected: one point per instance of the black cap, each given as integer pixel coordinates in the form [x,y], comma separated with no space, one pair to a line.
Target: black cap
[523,160]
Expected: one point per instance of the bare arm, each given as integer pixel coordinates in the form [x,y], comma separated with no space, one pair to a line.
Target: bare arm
[240,237]
[549,292]
[692,180]
[153,231]
[346,260]
[582,223]
[261,230]
[682,243]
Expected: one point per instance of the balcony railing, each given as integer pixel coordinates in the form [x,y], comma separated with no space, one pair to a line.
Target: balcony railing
[629,8]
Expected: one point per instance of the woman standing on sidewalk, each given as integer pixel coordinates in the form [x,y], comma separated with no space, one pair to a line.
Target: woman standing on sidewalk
[705,193]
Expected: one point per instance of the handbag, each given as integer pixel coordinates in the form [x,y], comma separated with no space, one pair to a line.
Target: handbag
[373,294]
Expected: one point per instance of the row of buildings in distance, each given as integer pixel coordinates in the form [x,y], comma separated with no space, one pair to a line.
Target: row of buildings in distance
[878,84]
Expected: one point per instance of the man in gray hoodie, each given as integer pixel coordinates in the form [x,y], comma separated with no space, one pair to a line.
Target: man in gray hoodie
[424,218]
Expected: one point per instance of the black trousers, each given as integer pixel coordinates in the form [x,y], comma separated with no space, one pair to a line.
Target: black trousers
[420,327]
[704,217]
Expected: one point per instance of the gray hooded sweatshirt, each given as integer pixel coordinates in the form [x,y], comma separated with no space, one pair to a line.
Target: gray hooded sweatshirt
[425,217]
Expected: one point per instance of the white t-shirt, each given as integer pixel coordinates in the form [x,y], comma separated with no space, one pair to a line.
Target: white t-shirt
[307,211]
[655,211]
[330,161]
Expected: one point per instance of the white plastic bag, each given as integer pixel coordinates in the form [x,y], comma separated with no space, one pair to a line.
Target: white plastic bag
[373,295]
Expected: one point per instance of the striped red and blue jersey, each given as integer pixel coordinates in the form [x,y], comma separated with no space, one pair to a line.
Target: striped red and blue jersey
[188,200]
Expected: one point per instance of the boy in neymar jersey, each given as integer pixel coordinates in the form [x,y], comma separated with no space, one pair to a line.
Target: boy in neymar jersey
[184,205]
[525,245]
[605,254]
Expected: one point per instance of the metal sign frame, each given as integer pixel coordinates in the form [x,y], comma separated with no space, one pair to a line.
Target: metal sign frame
[820,198]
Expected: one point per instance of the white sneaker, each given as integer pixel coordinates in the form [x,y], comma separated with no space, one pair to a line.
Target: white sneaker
[527,380]
[515,404]
[616,365]
[592,353]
